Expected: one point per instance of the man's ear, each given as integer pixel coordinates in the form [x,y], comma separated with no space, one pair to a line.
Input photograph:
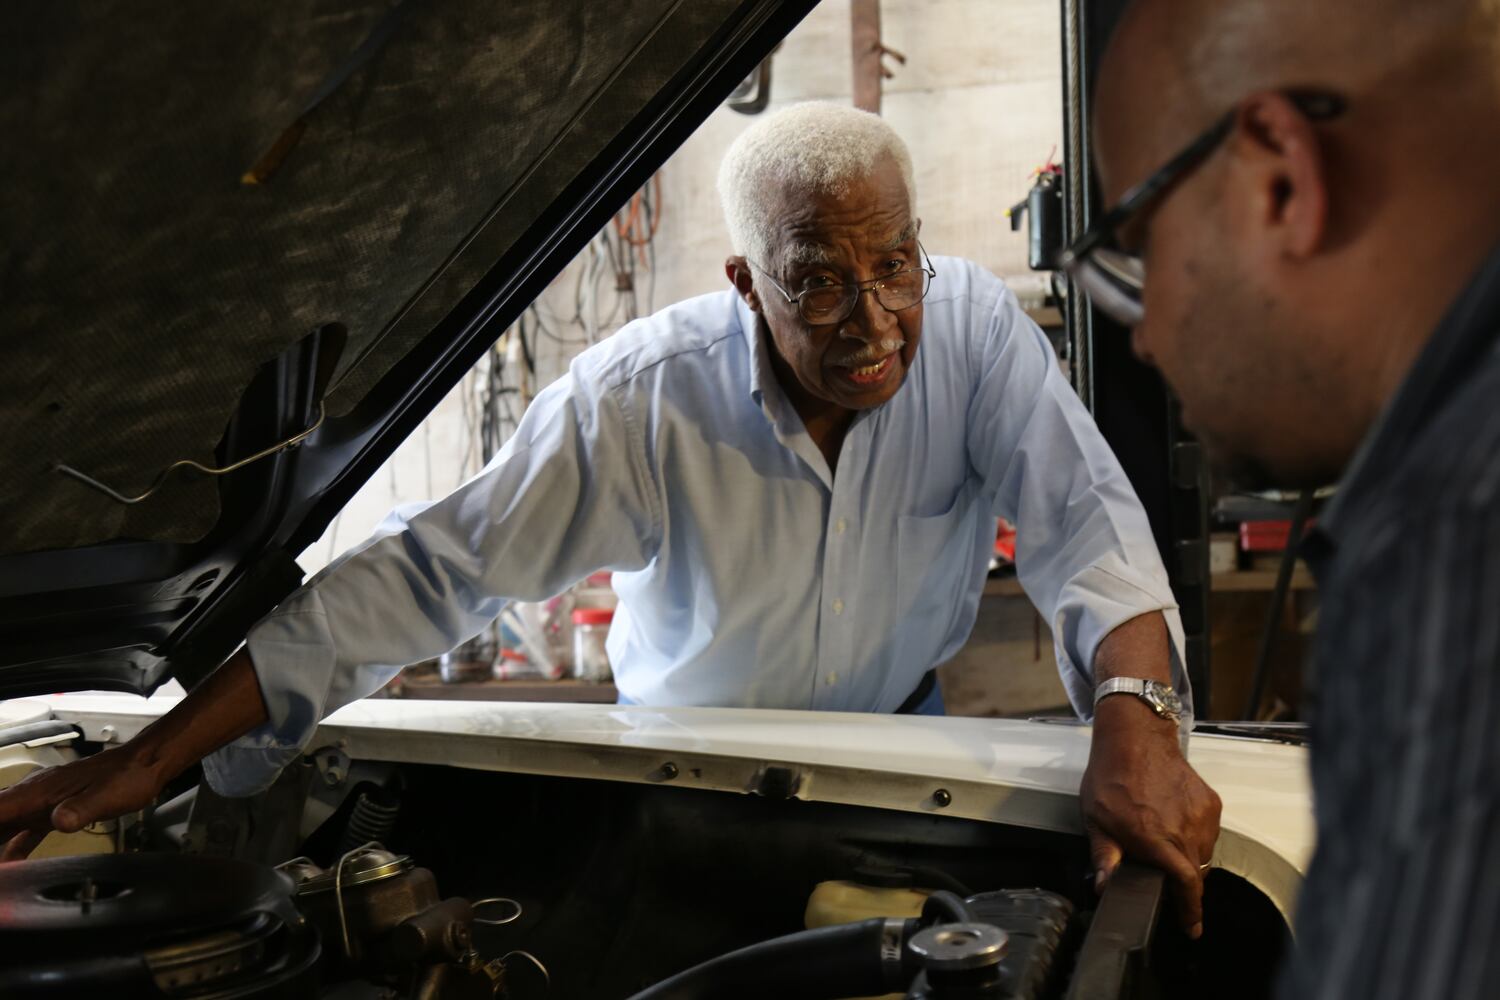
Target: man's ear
[1277,153]
[737,269]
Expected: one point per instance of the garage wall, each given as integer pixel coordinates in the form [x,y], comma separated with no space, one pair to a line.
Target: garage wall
[979,103]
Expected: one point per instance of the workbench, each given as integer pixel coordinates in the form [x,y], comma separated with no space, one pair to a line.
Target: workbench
[1239,581]
[1010,634]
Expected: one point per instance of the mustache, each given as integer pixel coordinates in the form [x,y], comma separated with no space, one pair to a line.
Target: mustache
[871,353]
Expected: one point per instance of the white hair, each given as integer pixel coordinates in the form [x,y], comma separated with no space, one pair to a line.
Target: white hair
[815,147]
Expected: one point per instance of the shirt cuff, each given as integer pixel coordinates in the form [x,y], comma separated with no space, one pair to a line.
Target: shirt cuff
[1095,602]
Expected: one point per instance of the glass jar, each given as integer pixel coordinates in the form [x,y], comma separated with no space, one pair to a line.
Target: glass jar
[590,629]
[471,661]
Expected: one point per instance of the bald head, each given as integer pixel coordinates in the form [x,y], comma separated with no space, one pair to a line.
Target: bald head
[1230,48]
[1295,273]
[1174,65]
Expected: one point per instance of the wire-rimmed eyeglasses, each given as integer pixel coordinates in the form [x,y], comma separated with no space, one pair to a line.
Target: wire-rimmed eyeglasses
[835,303]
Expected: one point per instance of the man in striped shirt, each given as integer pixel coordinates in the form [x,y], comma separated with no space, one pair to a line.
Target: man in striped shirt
[1324,296]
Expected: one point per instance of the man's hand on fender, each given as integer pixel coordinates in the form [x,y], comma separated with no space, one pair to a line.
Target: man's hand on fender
[1141,799]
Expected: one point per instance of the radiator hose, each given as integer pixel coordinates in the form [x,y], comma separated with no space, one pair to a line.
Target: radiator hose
[869,958]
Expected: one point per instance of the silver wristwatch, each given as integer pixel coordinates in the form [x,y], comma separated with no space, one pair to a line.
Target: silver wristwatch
[1162,699]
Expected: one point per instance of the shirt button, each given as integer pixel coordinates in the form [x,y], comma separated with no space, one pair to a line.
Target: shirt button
[838,606]
[831,679]
[841,526]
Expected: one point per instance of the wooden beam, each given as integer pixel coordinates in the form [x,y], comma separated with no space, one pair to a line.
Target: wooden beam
[864,33]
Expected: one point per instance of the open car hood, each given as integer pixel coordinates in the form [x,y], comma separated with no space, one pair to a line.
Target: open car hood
[1001,771]
[232,227]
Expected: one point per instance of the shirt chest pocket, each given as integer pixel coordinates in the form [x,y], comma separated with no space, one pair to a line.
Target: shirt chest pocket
[934,555]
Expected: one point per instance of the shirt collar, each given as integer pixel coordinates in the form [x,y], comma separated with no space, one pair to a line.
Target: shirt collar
[764,388]
[1466,333]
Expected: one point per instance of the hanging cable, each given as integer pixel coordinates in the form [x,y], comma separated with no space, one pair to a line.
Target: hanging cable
[542,328]
[635,227]
[641,216]
[1300,518]
[625,252]
[491,421]
[651,278]
[466,392]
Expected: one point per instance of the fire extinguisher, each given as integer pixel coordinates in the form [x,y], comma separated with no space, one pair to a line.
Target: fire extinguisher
[1043,209]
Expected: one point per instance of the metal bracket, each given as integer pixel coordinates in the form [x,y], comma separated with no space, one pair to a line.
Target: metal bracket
[1113,956]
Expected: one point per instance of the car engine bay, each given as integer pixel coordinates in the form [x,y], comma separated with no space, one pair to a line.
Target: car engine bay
[355,880]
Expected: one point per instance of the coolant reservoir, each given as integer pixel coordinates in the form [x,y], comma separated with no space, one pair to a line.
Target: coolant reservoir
[19,759]
[849,902]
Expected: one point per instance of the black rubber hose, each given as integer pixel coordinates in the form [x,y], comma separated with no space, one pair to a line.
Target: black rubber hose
[936,876]
[821,964]
[945,907]
[372,820]
[1262,674]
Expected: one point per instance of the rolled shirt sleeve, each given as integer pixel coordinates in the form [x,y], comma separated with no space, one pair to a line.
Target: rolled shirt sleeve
[569,494]
[1085,554]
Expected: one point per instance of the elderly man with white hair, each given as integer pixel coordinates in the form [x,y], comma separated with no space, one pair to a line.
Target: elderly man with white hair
[796,482]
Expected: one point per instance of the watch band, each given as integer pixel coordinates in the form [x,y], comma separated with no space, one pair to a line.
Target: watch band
[1119,685]
[1160,697]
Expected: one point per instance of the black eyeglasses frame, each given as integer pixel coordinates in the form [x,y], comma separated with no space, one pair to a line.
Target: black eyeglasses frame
[1317,105]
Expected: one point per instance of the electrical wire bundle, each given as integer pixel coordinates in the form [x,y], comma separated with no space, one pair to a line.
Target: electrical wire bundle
[635,227]
[624,251]
[495,393]
[497,418]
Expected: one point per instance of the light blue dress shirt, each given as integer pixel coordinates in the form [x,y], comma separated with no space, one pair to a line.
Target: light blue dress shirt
[748,573]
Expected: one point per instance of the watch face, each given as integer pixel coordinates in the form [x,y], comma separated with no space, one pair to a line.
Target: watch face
[1164,699]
